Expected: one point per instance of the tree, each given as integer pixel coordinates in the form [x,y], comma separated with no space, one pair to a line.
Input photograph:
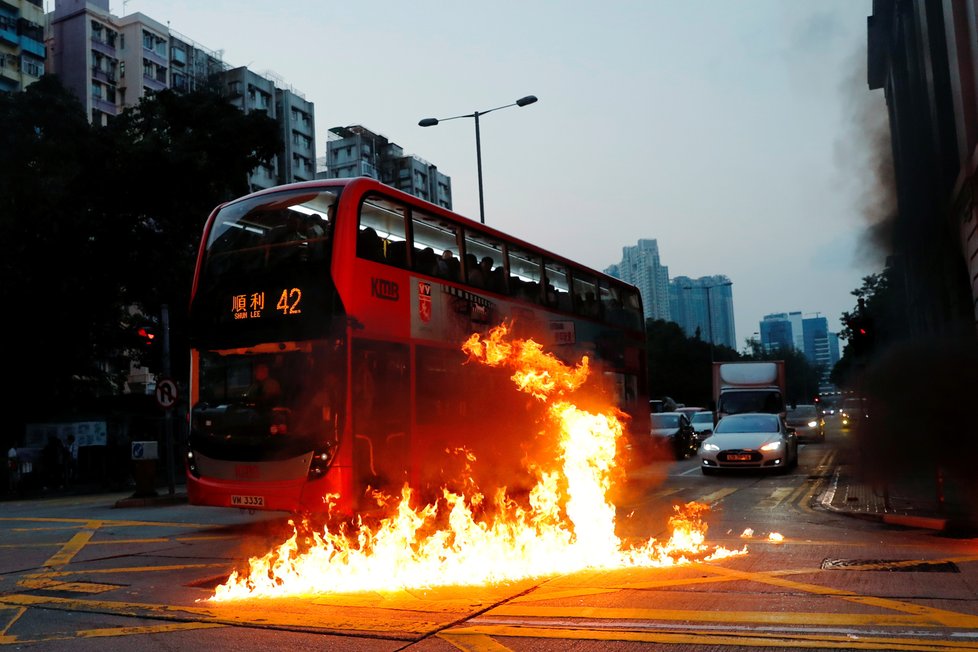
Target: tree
[875,323]
[177,157]
[56,298]
[100,226]
[680,366]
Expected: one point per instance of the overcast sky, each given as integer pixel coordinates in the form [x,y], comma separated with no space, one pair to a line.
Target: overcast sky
[726,130]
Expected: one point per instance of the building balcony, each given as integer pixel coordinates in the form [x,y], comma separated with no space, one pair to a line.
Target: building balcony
[9,72]
[158,59]
[103,47]
[152,84]
[104,106]
[9,36]
[107,76]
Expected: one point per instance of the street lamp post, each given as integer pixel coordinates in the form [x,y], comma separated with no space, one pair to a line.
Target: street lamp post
[431,122]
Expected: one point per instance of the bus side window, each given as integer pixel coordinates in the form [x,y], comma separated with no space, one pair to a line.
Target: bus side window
[436,244]
[558,289]
[369,245]
[524,275]
[382,236]
[586,296]
[484,261]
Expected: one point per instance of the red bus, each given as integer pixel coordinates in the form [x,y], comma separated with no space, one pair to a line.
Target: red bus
[327,320]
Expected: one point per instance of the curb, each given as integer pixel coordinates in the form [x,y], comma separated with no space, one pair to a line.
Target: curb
[904,520]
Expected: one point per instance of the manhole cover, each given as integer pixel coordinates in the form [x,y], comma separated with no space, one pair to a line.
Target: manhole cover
[891,565]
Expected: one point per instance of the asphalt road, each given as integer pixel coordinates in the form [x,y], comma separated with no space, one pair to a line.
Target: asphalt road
[77,573]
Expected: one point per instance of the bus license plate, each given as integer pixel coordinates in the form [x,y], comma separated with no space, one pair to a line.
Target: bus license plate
[738,457]
[247,501]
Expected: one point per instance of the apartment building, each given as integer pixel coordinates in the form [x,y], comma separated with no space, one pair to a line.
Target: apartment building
[22,51]
[356,151]
[110,63]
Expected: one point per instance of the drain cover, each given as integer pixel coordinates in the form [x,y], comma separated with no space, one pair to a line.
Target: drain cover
[891,565]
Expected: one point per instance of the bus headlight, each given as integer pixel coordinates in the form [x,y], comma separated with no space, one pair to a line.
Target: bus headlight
[192,464]
[322,457]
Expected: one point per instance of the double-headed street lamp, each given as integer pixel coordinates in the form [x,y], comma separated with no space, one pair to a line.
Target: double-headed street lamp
[431,122]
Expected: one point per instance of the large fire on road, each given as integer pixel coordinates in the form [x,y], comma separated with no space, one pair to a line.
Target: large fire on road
[568,524]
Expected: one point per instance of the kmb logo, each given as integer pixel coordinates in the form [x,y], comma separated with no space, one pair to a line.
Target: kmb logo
[384,289]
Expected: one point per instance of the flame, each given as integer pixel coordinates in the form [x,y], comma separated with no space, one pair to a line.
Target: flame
[566,525]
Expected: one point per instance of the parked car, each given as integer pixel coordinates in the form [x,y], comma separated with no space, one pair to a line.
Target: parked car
[702,423]
[809,425]
[752,440]
[674,431]
[664,404]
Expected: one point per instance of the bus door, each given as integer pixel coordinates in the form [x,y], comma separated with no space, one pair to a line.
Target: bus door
[380,386]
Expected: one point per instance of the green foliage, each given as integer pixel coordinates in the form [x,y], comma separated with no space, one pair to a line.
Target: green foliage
[99,227]
[680,366]
[879,308]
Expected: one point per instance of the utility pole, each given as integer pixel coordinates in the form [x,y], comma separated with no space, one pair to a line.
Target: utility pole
[167,414]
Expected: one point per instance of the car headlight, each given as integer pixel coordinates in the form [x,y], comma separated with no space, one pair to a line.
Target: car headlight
[812,424]
[773,446]
[711,447]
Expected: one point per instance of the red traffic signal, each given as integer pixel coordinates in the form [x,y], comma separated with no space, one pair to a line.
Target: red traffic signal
[147,334]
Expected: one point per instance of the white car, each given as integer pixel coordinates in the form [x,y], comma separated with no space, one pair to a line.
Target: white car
[702,423]
[749,441]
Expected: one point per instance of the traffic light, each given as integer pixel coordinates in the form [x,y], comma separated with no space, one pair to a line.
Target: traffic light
[147,335]
[148,346]
[862,334]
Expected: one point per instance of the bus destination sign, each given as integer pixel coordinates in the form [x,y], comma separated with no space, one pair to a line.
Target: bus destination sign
[251,305]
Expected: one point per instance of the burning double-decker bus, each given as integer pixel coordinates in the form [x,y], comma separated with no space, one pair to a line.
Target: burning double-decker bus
[328,320]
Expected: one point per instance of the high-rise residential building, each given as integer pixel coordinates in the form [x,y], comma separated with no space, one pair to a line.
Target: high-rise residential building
[640,265]
[110,63]
[704,305]
[355,151]
[295,116]
[22,50]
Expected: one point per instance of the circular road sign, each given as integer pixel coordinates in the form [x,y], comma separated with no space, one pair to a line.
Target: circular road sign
[166,393]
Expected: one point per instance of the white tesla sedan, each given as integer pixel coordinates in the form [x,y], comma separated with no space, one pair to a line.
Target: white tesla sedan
[749,441]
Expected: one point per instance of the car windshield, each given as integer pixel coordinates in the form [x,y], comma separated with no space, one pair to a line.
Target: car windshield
[665,420]
[748,423]
[751,401]
[803,412]
[702,417]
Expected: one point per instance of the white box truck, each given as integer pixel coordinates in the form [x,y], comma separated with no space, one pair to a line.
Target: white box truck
[749,387]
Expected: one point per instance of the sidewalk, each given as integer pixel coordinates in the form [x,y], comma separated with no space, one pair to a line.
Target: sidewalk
[909,505]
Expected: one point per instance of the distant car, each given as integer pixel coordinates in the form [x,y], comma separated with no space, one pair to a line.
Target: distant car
[852,411]
[702,423]
[673,430]
[751,440]
[689,411]
[808,423]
